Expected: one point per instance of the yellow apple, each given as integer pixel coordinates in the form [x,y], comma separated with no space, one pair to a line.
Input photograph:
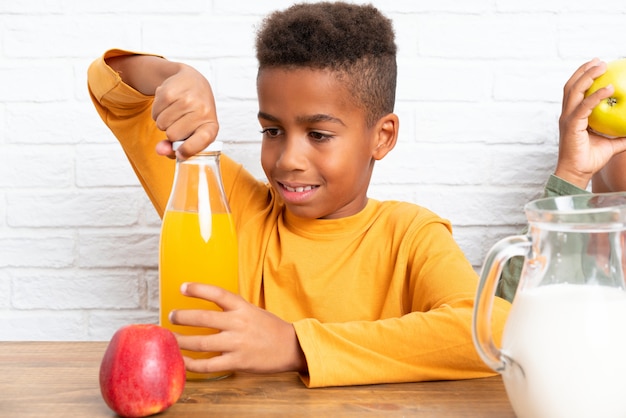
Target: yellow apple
[608,118]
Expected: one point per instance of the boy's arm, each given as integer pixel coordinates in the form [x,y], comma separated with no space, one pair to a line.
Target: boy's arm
[144,73]
[129,113]
[432,341]
[184,106]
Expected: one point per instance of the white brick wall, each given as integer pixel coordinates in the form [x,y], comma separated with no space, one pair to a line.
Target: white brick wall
[479,95]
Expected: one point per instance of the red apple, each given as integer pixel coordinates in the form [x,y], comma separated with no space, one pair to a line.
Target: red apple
[142,372]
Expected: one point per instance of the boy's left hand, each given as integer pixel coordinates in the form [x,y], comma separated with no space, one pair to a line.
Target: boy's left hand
[250,339]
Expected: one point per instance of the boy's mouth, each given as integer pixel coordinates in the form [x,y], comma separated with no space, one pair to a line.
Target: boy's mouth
[297,193]
[298,189]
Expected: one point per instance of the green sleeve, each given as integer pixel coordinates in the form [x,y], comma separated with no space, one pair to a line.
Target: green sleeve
[512,270]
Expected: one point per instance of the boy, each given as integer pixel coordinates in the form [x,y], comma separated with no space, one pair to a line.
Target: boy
[341,288]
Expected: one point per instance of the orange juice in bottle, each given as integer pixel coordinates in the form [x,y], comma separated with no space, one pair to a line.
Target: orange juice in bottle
[198,243]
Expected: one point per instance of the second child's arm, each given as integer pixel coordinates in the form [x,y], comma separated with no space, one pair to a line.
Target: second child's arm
[582,153]
[184,106]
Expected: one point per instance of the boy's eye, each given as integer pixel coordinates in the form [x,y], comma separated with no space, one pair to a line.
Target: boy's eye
[319,137]
[271,132]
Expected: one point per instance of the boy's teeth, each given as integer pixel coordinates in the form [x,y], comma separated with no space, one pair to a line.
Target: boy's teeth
[298,189]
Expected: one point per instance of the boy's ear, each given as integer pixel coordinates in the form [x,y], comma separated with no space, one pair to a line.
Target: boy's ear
[386,131]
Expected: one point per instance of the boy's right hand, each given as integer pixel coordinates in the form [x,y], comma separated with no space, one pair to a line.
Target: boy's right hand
[184,107]
[582,153]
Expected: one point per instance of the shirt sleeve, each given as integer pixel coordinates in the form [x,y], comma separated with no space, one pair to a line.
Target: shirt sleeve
[128,114]
[431,341]
[512,270]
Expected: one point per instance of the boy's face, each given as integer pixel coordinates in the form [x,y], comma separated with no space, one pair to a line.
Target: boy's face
[317,150]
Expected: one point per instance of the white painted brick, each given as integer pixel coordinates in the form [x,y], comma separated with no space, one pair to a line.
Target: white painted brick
[488,122]
[487,36]
[5,290]
[477,241]
[411,6]
[40,167]
[424,165]
[514,165]
[236,78]
[72,209]
[33,7]
[37,82]
[103,166]
[64,291]
[238,120]
[141,7]
[607,7]
[55,36]
[245,7]
[200,36]
[477,206]
[532,82]
[443,81]
[152,286]
[103,324]
[42,326]
[39,249]
[583,36]
[114,249]
[149,216]
[3,122]
[47,123]
[3,211]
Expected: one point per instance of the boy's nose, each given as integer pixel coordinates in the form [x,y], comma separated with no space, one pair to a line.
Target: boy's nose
[292,155]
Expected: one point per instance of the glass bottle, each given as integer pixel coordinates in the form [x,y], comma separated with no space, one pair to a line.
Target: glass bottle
[198,242]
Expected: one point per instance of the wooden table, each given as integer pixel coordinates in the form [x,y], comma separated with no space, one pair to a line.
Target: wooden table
[60,379]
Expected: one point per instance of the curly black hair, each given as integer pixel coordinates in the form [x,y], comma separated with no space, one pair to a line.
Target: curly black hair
[355,41]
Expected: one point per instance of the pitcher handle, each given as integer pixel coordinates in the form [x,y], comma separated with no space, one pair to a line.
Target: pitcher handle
[497,256]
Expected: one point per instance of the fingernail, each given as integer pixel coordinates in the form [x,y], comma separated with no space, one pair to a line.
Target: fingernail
[183,288]
[170,317]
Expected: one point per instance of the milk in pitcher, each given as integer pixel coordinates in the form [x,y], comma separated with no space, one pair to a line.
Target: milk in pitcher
[562,341]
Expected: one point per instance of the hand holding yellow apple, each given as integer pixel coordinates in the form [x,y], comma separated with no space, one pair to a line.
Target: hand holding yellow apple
[609,117]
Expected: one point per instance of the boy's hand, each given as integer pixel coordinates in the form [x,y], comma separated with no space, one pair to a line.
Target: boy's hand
[250,339]
[184,107]
[582,153]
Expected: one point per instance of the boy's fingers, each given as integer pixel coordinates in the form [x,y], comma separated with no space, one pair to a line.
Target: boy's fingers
[164,148]
[214,343]
[204,318]
[221,297]
[198,140]
[218,363]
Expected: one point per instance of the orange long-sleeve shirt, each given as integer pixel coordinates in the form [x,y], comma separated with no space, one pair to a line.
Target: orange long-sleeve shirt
[385,295]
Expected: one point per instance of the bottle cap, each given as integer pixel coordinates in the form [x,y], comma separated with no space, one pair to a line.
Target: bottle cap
[214,146]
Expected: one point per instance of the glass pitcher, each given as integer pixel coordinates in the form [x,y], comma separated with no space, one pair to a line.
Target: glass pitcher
[198,242]
[563,351]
